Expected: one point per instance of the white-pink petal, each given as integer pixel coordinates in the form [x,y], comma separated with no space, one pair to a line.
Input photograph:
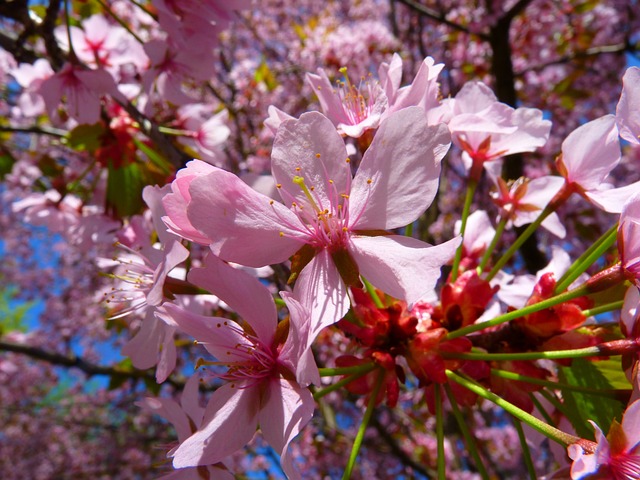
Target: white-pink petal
[242,292]
[310,148]
[230,421]
[403,267]
[628,110]
[399,174]
[244,226]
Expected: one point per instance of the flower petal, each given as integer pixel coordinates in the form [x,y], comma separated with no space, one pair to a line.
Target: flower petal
[230,421]
[242,292]
[320,288]
[310,148]
[399,174]
[218,335]
[403,267]
[244,226]
[286,408]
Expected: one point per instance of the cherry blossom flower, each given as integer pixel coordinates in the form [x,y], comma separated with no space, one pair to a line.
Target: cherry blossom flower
[486,129]
[186,418]
[628,110]
[523,200]
[589,154]
[616,456]
[629,238]
[30,77]
[82,89]
[353,109]
[334,222]
[142,276]
[260,388]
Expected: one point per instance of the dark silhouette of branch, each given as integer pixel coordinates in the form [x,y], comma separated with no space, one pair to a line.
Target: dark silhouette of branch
[399,452]
[590,52]
[440,17]
[81,364]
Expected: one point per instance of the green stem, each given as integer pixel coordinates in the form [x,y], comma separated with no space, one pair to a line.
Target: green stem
[536,307]
[357,443]
[547,430]
[492,245]
[526,453]
[176,132]
[371,290]
[587,259]
[541,409]
[519,241]
[609,307]
[471,188]
[441,460]
[338,385]
[553,355]
[408,230]
[612,393]
[464,429]
[333,372]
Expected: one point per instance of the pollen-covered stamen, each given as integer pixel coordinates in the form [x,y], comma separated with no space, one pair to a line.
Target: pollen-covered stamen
[248,362]
[358,101]
[135,280]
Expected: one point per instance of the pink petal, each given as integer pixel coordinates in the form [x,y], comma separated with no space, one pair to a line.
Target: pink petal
[423,91]
[168,409]
[611,200]
[218,335]
[321,290]
[142,349]
[399,174]
[286,409]
[244,225]
[296,353]
[629,310]
[591,151]
[330,101]
[390,75]
[628,110]
[242,292]
[230,421]
[168,354]
[190,401]
[631,424]
[402,267]
[175,203]
[310,148]
[174,254]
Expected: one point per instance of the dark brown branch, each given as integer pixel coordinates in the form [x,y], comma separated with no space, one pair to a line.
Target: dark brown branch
[81,364]
[440,17]
[399,452]
[590,52]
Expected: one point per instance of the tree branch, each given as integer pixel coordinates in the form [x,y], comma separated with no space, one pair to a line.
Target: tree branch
[81,364]
[440,17]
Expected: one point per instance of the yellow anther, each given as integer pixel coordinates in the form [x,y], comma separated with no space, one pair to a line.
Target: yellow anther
[270,202]
[298,169]
[278,185]
[282,234]
[312,188]
[331,182]
[348,160]
[317,155]
[344,229]
[369,181]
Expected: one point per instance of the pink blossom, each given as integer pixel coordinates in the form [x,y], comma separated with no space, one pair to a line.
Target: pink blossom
[616,456]
[629,238]
[142,278]
[487,129]
[628,110]
[331,216]
[589,154]
[260,389]
[176,202]
[353,109]
[82,90]
[30,77]
[186,418]
[523,200]
[422,92]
